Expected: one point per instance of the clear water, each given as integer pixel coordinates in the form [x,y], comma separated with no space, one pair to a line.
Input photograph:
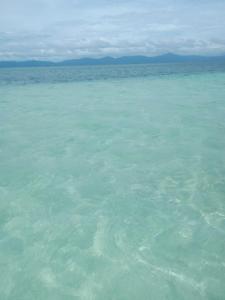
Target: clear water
[112,183]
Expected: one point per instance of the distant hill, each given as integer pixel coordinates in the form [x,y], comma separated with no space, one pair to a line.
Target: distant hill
[165,58]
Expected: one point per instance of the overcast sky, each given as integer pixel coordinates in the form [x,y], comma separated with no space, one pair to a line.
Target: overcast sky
[60,29]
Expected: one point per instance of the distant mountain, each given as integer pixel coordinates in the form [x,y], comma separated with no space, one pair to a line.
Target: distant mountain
[165,58]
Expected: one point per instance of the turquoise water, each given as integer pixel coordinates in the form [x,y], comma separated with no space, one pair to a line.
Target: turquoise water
[112,183]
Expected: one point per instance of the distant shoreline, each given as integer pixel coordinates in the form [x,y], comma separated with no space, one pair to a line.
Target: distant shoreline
[125,60]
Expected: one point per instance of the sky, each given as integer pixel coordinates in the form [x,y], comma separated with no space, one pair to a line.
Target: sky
[65,29]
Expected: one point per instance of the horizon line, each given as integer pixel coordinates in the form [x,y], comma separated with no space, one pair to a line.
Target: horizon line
[110,57]
[109,60]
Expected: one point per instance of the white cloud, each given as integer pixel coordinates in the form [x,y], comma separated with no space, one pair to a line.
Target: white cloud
[58,29]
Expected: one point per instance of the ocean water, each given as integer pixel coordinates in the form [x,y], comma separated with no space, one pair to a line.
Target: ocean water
[112,183]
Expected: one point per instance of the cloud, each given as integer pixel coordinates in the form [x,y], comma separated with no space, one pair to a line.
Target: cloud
[59,29]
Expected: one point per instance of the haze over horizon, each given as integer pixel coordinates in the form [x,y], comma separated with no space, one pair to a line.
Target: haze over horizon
[71,29]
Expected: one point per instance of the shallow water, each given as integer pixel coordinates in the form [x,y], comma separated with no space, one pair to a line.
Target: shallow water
[112,188]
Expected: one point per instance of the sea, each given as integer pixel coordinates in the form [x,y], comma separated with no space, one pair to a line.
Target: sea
[112,182]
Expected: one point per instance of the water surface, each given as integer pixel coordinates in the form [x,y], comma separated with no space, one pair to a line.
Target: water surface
[112,183]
